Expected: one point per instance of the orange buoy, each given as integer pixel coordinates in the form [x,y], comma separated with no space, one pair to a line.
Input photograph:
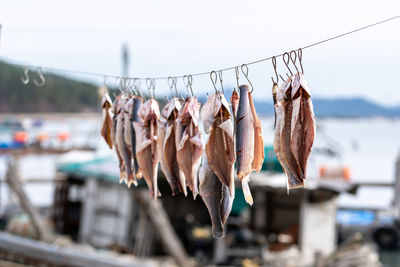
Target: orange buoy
[63,136]
[21,137]
[341,172]
[42,137]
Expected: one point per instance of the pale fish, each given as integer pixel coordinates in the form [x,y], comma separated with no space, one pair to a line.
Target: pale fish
[146,144]
[189,143]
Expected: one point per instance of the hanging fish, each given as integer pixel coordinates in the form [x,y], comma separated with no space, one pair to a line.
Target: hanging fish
[123,149]
[216,197]
[292,181]
[189,143]
[303,122]
[258,139]
[166,146]
[217,122]
[244,141]
[288,161]
[234,102]
[106,125]
[146,144]
[116,110]
[137,102]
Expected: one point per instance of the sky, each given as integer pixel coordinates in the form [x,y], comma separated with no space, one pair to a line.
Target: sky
[168,38]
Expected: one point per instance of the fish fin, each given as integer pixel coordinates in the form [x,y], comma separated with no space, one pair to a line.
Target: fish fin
[227,127]
[246,190]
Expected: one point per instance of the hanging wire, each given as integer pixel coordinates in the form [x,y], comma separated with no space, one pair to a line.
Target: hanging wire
[223,69]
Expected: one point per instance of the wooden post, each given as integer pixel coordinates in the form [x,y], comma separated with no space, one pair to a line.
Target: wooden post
[157,216]
[14,182]
[397,188]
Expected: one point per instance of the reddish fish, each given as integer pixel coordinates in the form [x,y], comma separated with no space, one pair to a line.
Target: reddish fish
[189,143]
[146,144]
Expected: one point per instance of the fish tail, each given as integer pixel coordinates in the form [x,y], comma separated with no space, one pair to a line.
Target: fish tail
[246,190]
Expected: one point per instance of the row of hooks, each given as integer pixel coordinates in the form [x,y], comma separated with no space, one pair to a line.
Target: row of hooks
[25,79]
[133,84]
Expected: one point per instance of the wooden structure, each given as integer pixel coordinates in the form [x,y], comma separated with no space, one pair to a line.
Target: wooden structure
[92,207]
[37,253]
[301,217]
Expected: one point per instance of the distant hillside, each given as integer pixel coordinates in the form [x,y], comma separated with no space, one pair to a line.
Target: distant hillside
[59,94]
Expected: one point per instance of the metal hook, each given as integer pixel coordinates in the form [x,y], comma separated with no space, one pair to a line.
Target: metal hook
[220,79]
[41,76]
[294,60]
[237,76]
[276,73]
[245,71]
[150,86]
[213,77]
[118,81]
[129,85]
[286,61]
[25,80]
[136,86]
[187,81]
[172,84]
[300,54]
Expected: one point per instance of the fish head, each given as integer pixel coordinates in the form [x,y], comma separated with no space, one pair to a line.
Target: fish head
[150,111]
[284,90]
[128,105]
[194,110]
[106,101]
[170,111]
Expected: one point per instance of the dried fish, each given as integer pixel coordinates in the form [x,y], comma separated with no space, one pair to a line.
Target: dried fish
[106,125]
[116,110]
[124,152]
[137,102]
[295,129]
[167,148]
[292,182]
[189,143]
[258,139]
[216,118]
[146,144]
[244,141]
[216,196]
[303,123]
[290,159]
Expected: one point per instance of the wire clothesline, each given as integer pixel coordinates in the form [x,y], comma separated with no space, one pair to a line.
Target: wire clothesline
[207,72]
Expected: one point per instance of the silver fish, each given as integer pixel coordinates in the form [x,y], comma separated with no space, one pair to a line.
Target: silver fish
[134,117]
[217,198]
[244,141]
